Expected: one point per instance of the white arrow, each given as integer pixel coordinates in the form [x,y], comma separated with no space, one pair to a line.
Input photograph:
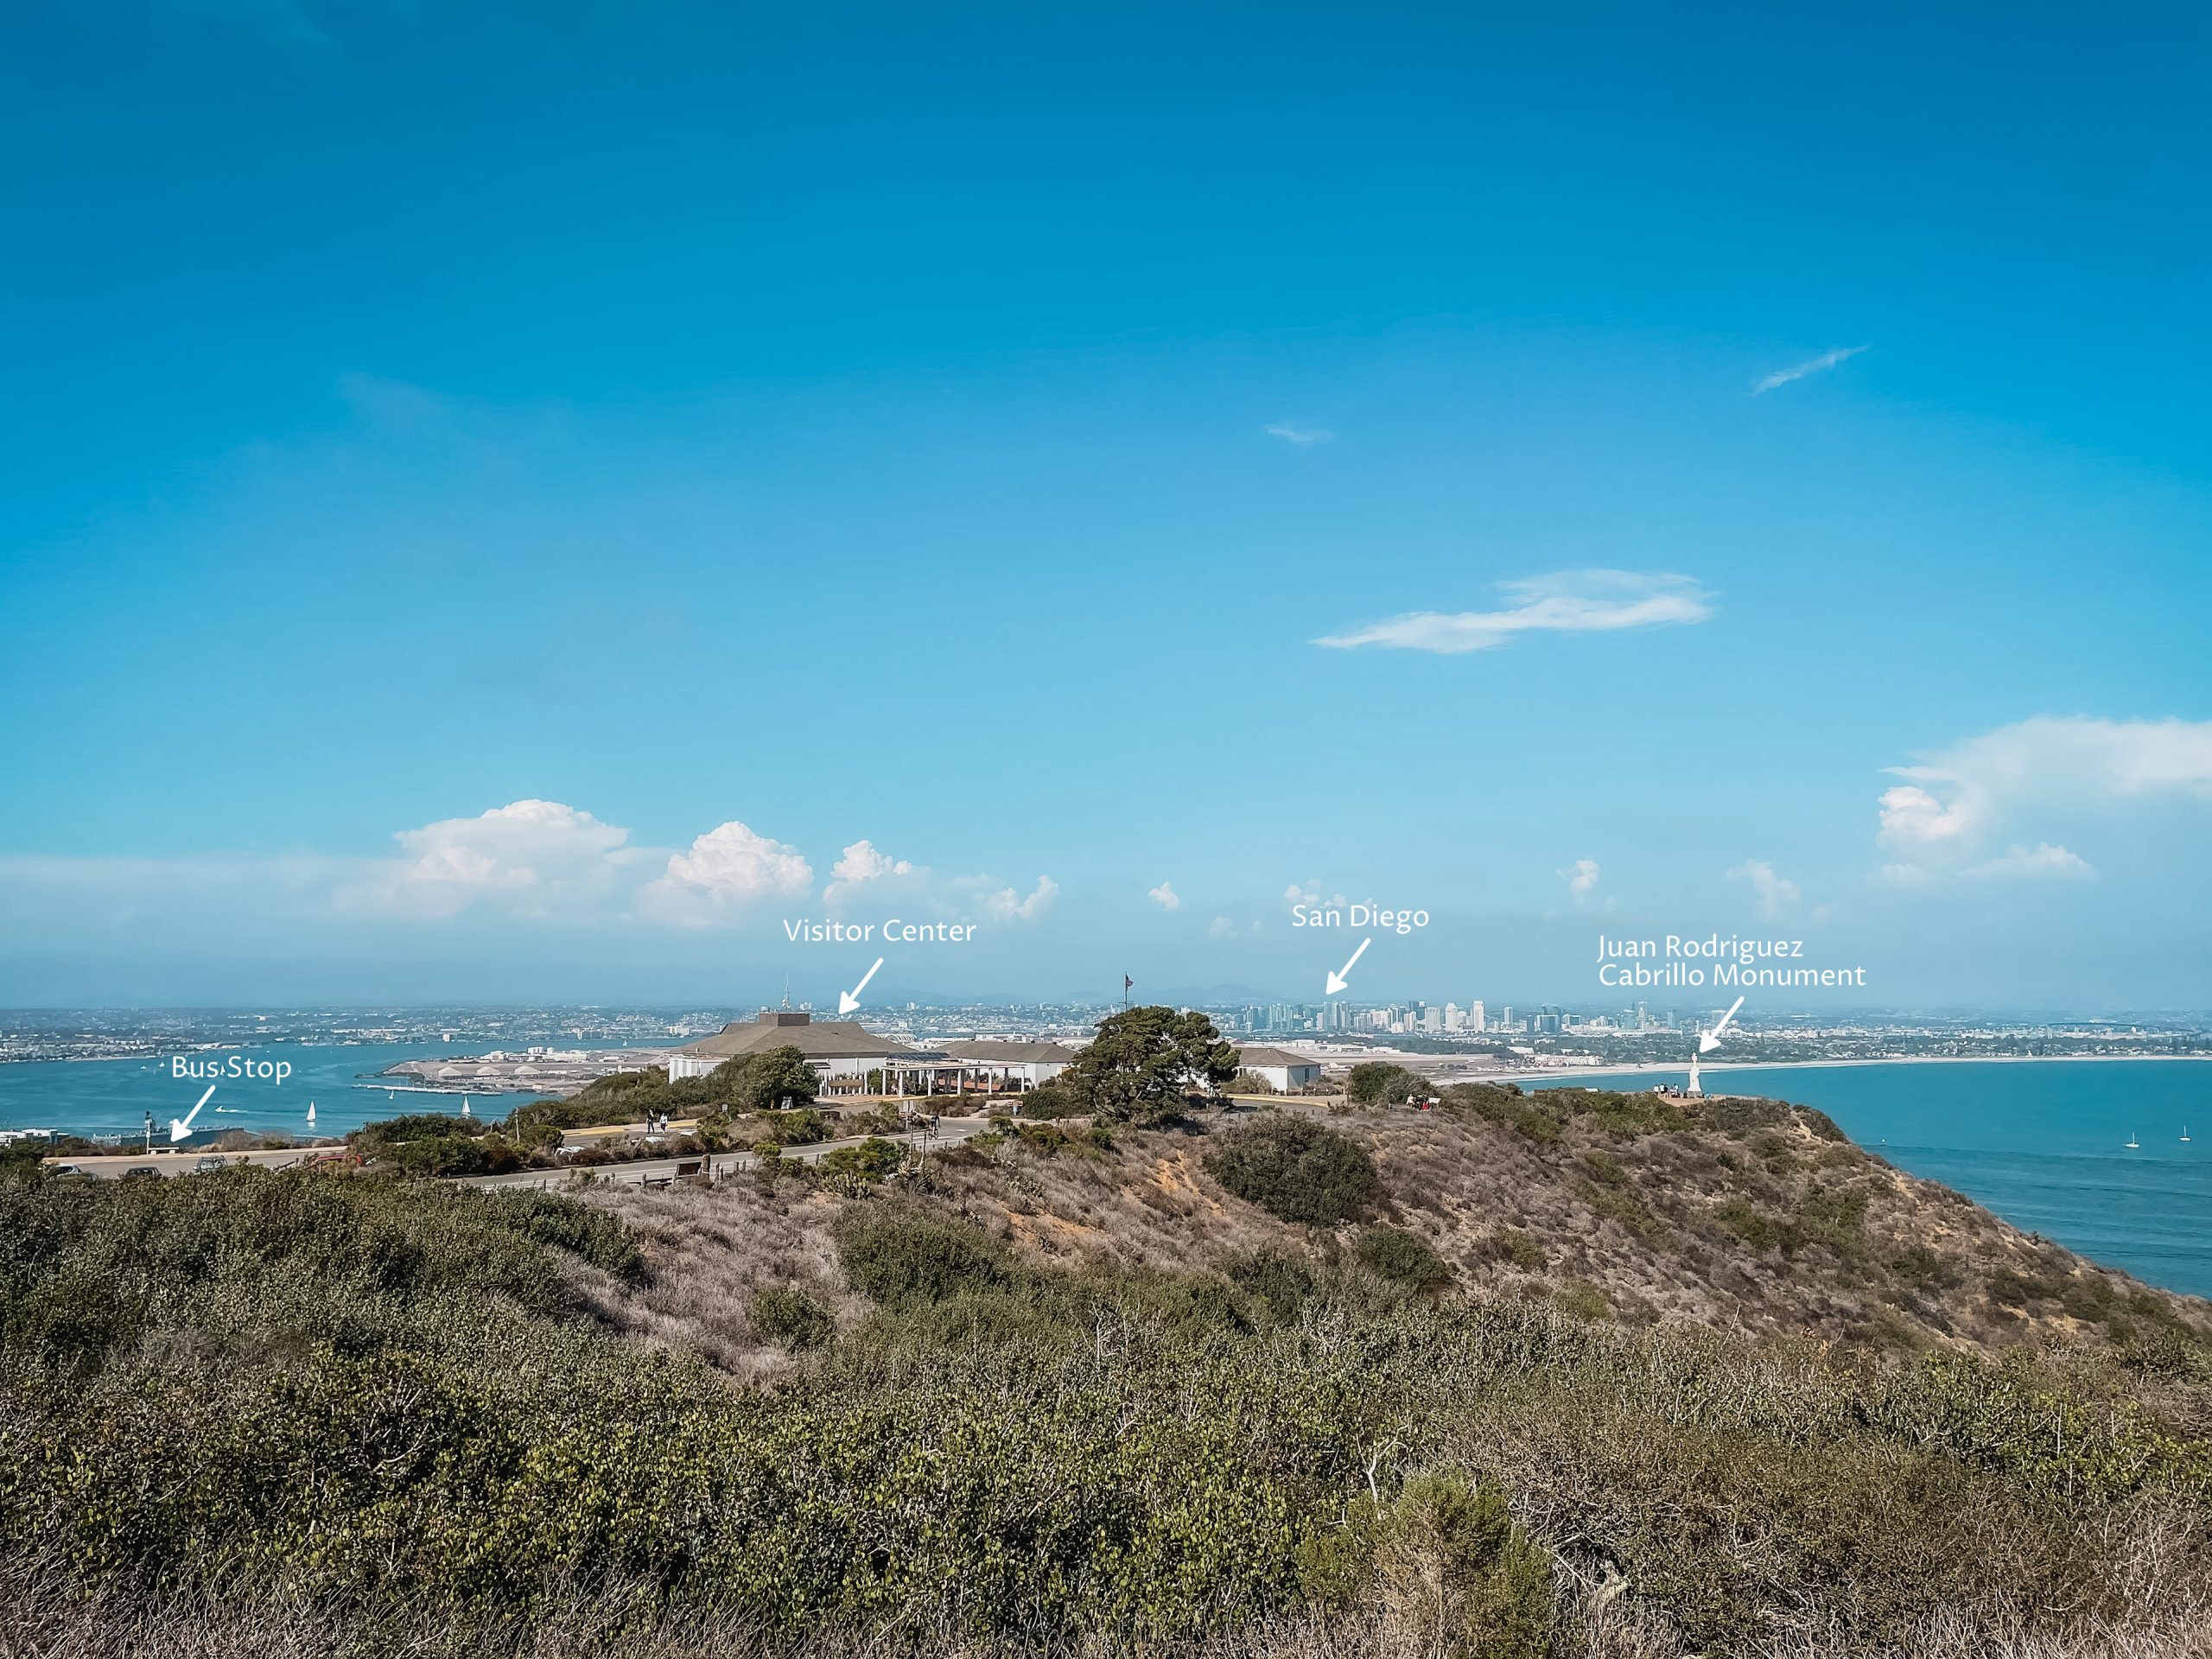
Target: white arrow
[1337,979]
[847,1001]
[1709,1041]
[181,1127]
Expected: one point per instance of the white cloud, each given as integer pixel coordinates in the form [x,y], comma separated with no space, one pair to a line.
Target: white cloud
[1221,927]
[862,862]
[1581,878]
[1164,896]
[1777,894]
[1301,436]
[1912,816]
[1008,906]
[2011,782]
[1827,359]
[533,857]
[726,869]
[1903,875]
[1567,601]
[2022,864]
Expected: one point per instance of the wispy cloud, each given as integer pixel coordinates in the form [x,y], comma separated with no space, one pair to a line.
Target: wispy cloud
[2043,862]
[1827,359]
[1776,893]
[1567,601]
[1581,878]
[1166,897]
[1300,435]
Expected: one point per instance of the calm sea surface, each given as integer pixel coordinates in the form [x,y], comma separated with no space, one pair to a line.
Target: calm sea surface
[101,1097]
[2041,1142]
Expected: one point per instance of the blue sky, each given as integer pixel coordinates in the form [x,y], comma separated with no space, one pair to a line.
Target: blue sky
[750,436]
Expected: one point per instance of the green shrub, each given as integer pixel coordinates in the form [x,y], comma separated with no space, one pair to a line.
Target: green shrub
[1294,1169]
[1583,1300]
[1402,1257]
[1757,1229]
[787,1314]
[1048,1101]
[854,1167]
[1279,1280]
[1451,1550]
[1380,1083]
[901,1253]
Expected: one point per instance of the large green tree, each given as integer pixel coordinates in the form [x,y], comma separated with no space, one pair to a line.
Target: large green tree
[777,1079]
[1145,1063]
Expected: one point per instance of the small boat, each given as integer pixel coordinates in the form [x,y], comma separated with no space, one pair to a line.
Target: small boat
[310,1114]
[2184,1134]
[2133,1145]
[465,1112]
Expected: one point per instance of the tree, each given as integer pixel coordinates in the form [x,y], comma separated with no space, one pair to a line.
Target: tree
[1145,1062]
[777,1079]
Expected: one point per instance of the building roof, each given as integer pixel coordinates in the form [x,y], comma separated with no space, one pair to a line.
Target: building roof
[828,1039]
[1258,1055]
[1013,1053]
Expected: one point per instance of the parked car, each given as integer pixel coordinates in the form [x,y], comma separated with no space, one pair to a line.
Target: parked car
[69,1169]
[210,1162]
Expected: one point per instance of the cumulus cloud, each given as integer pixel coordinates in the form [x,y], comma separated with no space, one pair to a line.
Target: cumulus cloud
[862,862]
[1008,906]
[1309,894]
[531,856]
[1827,359]
[2041,862]
[1164,896]
[1581,878]
[1220,928]
[728,867]
[1300,435]
[1777,894]
[1567,601]
[1952,806]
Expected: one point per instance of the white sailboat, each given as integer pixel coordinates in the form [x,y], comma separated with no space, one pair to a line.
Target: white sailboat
[2133,1145]
[465,1112]
[2184,1134]
[310,1114]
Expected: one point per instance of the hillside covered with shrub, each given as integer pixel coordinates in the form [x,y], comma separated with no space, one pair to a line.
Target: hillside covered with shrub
[1553,1374]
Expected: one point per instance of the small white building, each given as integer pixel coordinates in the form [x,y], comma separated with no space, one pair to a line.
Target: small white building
[1281,1070]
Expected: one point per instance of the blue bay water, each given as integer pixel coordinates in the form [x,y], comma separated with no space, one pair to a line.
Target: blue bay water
[109,1097]
[2041,1143]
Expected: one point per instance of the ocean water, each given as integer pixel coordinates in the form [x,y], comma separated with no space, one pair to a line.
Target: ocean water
[107,1098]
[2041,1143]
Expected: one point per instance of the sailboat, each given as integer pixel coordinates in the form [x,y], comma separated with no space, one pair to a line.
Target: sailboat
[310,1114]
[2133,1145]
[2184,1134]
[465,1112]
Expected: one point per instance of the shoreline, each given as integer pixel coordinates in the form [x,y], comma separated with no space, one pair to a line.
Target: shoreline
[1639,1068]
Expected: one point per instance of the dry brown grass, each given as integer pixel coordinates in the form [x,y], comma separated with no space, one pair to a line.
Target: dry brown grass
[708,1249]
[1641,1219]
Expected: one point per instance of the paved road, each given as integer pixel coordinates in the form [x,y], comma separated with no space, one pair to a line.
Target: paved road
[114,1166]
[950,1132]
